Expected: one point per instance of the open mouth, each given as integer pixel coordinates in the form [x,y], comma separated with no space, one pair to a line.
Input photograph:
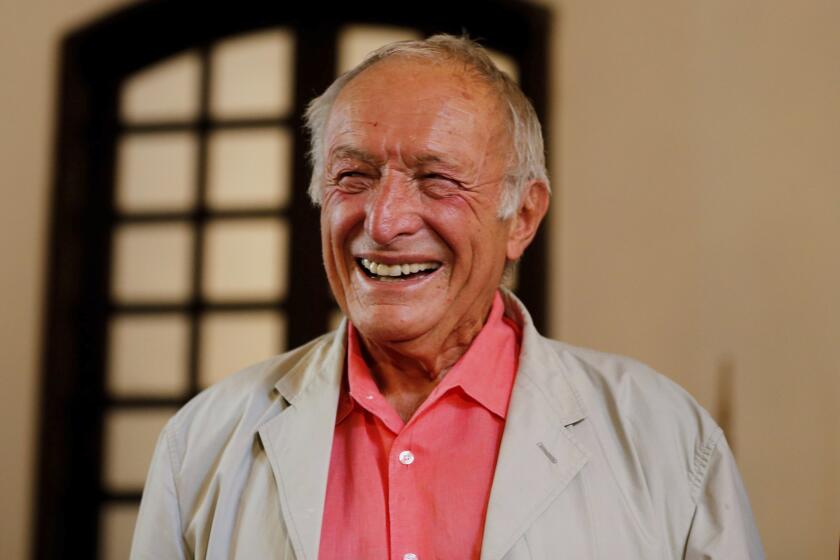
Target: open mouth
[396,272]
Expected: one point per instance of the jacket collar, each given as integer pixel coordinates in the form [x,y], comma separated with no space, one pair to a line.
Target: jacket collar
[323,363]
[542,366]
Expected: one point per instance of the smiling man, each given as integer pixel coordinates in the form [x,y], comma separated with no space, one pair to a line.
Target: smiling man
[436,423]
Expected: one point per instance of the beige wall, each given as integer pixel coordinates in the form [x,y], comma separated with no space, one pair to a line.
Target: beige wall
[695,224]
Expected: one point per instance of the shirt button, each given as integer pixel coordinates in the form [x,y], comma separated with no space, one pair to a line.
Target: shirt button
[406,458]
[409,556]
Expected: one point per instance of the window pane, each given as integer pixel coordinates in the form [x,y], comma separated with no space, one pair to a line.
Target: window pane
[252,75]
[166,91]
[505,63]
[245,260]
[249,168]
[356,41]
[130,437]
[116,529]
[156,172]
[152,262]
[231,341]
[147,355]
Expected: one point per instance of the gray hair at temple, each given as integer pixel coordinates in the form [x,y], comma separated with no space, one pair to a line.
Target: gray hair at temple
[527,162]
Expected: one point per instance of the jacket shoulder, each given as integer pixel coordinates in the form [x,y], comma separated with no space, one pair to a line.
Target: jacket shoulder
[635,408]
[634,388]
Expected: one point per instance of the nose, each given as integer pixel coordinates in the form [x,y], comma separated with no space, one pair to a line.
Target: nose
[393,210]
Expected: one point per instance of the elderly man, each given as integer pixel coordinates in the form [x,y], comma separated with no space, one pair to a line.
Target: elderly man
[436,423]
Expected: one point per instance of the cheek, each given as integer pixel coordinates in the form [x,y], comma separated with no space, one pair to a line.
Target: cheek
[334,228]
[467,219]
[339,216]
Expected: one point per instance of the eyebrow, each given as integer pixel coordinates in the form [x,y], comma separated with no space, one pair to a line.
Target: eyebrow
[426,158]
[351,152]
[347,151]
[440,161]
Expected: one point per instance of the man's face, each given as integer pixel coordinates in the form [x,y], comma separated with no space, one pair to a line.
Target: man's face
[415,158]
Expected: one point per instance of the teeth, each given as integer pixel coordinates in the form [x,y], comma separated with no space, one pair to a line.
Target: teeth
[395,270]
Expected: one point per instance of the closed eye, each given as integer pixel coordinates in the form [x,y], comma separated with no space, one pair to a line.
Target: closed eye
[438,184]
[436,178]
[352,181]
[344,174]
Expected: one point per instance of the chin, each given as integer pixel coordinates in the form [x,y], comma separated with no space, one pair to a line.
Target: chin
[387,324]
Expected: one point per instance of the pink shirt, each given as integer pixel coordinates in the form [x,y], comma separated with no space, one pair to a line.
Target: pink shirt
[419,490]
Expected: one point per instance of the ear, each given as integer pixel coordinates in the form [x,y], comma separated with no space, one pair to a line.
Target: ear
[526,221]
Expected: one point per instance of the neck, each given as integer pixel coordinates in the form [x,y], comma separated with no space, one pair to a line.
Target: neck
[406,372]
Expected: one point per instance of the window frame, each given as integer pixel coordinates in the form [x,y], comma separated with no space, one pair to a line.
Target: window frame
[95,60]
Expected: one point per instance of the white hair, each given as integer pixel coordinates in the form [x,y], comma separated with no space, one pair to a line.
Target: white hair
[527,161]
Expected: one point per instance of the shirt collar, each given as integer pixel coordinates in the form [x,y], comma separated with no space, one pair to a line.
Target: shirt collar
[481,372]
[345,401]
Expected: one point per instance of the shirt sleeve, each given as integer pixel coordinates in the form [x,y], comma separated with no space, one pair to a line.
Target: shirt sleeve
[723,527]
[158,533]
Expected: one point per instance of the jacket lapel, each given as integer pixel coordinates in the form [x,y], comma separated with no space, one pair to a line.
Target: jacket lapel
[538,456]
[298,442]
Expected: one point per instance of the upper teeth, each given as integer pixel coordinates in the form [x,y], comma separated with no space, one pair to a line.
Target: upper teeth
[398,269]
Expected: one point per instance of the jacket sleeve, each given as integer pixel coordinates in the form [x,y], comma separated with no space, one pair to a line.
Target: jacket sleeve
[723,526]
[158,533]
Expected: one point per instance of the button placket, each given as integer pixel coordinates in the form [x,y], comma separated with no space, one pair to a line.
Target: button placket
[404,502]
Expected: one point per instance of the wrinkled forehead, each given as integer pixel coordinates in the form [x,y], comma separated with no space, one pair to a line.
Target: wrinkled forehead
[451,85]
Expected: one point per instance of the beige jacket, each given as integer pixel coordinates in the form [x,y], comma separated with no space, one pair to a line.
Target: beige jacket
[601,458]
